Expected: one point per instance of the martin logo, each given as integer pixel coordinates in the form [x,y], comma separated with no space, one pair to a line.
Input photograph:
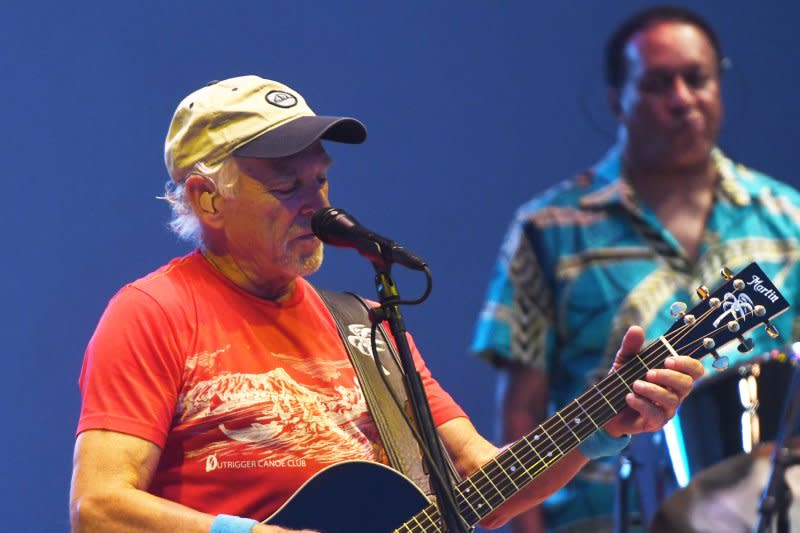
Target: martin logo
[281,99]
[758,286]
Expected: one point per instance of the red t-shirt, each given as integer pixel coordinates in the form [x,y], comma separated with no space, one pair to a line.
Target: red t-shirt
[247,398]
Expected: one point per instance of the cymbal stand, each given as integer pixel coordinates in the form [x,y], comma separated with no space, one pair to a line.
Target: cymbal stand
[777,496]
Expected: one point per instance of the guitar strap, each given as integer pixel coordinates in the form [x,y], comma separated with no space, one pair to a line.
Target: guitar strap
[351,314]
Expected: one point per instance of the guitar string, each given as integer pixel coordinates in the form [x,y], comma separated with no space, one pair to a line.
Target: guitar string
[652,357]
[563,437]
[557,440]
[432,521]
[567,438]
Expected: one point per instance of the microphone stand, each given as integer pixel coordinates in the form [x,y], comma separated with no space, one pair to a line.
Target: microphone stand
[443,489]
[777,496]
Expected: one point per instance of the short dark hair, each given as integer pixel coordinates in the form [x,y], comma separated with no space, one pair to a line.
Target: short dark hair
[615,65]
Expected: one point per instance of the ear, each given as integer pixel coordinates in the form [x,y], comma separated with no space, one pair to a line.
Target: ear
[204,199]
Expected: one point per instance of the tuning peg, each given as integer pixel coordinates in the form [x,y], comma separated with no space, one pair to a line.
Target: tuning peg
[720,362]
[714,303]
[745,345]
[726,273]
[772,331]
[738,284]
[677,309]
[703,292]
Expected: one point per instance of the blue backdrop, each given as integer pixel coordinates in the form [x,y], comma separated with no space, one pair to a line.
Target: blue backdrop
[472,107]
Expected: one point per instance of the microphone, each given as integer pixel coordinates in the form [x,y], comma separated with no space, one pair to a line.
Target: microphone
[336,227]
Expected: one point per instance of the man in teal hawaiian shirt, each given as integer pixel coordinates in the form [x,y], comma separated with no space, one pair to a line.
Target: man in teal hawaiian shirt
[615,246]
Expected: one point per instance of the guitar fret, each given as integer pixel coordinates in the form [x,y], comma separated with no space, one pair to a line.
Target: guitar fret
[623,381]
[503,470]
[498,493]
[613,393]
[430,518]
[551,439]
[424,520]
[575,401]
[533,447]
[577,438]
[479,493]
[465,496]
[488,475]
[471,516]
[520,463]
[573,419]
[600,411]
[642,361]
[604,397]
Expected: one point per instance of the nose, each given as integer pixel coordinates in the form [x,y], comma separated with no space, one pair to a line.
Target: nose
[315,199]
[681,94]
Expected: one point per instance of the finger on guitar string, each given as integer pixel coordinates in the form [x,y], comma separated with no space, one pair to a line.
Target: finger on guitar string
[653,416]
[678,375]
[685,365]
[659,396]
[631,343]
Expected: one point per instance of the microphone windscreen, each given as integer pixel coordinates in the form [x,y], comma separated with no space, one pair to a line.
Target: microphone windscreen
[331,224]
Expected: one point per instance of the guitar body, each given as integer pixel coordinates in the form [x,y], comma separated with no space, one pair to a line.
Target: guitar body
[352,497]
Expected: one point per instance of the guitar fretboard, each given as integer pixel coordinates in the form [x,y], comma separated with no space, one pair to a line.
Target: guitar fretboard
[744,301]
[523,461]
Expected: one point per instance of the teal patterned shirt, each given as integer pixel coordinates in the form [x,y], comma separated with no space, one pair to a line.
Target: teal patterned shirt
[586,259]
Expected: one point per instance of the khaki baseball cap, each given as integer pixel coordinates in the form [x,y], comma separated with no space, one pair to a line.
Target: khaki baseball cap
[247,116]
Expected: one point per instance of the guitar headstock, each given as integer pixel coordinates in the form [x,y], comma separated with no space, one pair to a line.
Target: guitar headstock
[746,300]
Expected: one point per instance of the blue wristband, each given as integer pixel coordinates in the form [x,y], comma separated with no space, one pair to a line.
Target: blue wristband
[225,523]
[601,444]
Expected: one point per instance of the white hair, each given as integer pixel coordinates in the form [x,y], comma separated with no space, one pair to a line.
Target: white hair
[184,222]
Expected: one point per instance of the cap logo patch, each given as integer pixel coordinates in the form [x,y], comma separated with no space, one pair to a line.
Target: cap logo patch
[281,99]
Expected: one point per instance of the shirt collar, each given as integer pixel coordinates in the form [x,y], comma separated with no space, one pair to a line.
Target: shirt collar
[610,186]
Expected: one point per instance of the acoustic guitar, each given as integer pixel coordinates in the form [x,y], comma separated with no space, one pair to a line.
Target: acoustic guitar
[365,497]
